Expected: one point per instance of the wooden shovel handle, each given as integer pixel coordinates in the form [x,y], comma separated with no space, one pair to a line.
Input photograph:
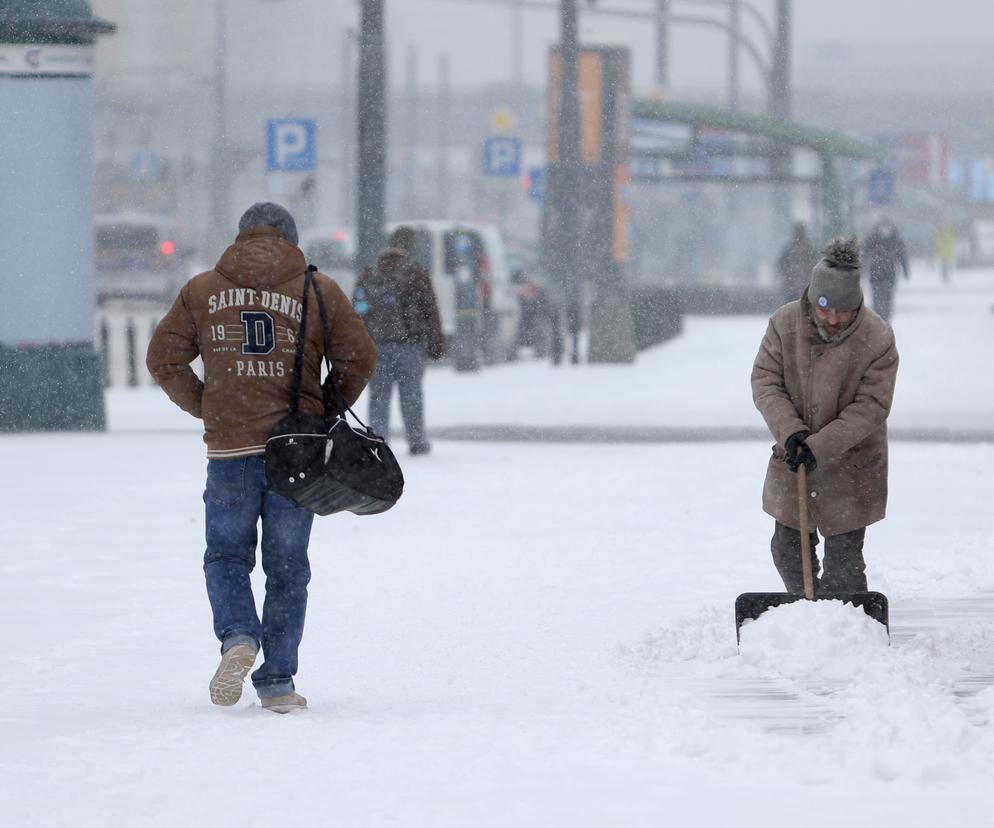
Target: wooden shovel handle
[802,511]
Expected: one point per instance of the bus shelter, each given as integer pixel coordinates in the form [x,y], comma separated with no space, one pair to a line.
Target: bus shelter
[715,220]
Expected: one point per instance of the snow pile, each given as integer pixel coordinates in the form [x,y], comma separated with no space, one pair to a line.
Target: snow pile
[812,640]
[832,701]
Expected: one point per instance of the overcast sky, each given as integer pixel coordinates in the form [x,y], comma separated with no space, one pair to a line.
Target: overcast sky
[280,41]
[479,33]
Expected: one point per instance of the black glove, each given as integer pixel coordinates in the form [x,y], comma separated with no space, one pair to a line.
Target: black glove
[798,452]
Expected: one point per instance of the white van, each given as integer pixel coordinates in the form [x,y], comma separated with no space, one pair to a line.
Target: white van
[441,247]
[330,250]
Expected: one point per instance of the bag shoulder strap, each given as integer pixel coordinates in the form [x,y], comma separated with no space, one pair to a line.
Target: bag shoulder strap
[328,356]
[298,360]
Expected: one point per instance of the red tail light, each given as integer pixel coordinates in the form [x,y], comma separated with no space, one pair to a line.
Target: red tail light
[167,248]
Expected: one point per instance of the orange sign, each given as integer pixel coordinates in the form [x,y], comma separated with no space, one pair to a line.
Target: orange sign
[590,87]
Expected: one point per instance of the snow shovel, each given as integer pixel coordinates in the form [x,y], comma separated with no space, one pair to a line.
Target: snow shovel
[750,605]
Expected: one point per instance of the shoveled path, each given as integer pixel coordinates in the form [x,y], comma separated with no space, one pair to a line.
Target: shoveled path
[666,434]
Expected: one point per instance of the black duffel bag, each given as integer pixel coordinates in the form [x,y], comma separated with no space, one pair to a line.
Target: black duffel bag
[325,464]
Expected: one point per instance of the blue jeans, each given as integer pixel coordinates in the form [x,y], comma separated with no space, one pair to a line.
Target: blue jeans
[236,497]
[404,365]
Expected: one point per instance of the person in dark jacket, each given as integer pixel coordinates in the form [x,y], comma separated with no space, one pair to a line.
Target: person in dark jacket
[396,301]
[795,263]
[539,326]
[243,319]
[824,382]
[883,251]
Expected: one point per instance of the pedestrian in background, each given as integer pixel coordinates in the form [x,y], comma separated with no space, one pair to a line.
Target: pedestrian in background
[243,318]
[795,263]
[539,325]
[396,300]
[883,251]
[824,382]
[945,250]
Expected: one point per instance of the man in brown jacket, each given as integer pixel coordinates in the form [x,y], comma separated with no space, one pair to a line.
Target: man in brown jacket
[242,318]
[824,381]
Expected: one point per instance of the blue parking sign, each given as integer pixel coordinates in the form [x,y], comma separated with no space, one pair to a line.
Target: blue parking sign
[502,156]
[291,145]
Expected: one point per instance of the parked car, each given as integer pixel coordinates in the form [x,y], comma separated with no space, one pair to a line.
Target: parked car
[453,252]
[138,256]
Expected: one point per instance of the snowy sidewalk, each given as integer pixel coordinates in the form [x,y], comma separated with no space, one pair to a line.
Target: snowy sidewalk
[535,636]
[698,384]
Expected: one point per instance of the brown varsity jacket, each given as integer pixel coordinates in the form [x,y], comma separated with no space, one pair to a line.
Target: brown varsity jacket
[243,318]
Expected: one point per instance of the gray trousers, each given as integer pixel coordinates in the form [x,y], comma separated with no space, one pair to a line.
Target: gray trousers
[845,569]
[403,365]
[883,296]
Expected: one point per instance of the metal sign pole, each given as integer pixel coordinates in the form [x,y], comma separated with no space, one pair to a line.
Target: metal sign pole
[567,196]
[372,134]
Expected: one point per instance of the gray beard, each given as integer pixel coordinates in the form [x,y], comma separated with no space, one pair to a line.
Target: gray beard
[825,336]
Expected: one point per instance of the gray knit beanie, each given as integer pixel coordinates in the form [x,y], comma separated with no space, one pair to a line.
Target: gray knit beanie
[403,238]
[835,279]
[269,214]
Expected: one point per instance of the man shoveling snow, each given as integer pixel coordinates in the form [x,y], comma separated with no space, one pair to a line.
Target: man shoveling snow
[824,382]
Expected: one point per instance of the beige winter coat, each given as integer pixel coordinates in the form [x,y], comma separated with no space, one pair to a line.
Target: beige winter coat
[839,391]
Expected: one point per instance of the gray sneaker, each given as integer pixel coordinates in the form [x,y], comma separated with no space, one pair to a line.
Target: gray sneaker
[226,686]
[284,704]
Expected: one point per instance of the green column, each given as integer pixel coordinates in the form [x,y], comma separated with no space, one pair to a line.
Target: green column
[50,374]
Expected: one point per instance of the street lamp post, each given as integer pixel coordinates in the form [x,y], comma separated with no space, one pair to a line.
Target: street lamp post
[662,45]
[780,108]
[517,35]
[733,54]
[409,202]
[442,173]
[566,185]
[371,134]
[663,18]
[346,115]
[220,164]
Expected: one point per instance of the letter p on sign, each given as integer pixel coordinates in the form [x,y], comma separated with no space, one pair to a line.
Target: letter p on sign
[291,145]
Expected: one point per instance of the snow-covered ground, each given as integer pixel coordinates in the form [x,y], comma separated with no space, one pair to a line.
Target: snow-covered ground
[945,335]
[529,638]
[537,635]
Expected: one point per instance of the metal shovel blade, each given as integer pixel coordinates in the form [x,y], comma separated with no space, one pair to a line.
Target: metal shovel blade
[751,605]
